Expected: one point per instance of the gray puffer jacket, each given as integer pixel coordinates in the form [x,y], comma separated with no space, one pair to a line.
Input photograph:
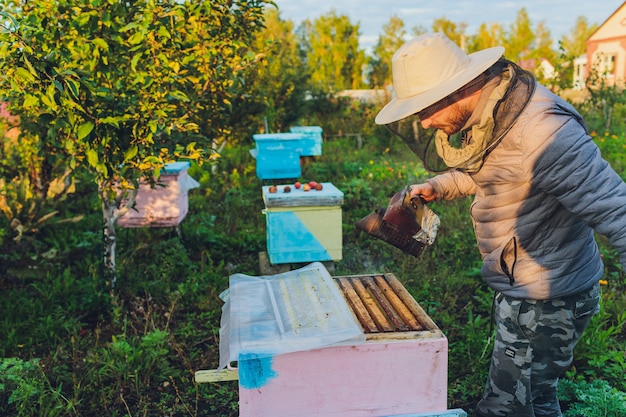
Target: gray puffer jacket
[539,197]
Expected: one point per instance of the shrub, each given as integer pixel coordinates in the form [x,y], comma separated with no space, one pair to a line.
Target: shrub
[592,399]
[26,391]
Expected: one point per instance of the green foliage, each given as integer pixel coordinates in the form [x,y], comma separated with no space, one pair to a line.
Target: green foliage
[119,88]
[455,32]
[574,44]
[333,56]
[346,119]
[31,190]
[599,352]
[592,399]
[604,93]
[519,40]
[25,388]
[141,360]
[278,82]
[615,146]
[570,47]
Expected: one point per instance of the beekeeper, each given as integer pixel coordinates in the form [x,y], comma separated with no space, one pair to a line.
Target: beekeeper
[540,191]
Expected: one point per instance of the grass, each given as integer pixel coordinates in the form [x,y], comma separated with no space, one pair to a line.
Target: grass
[70,347]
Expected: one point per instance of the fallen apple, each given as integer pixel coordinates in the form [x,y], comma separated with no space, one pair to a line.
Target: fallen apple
[318,186]
[297,184]
[312,184]
[273,189]
[286,189]
[306,187]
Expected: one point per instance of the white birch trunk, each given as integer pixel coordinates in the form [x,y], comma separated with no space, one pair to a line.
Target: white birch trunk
[111,211]
[109,215]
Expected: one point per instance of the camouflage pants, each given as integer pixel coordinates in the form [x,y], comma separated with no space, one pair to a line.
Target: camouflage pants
[534,344]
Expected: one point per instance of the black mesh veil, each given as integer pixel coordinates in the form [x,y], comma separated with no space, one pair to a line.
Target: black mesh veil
[422,141]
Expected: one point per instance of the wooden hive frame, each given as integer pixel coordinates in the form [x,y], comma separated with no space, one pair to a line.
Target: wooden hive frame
[385,309]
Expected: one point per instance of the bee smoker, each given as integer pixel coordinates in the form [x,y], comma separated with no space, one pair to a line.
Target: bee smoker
[406,223]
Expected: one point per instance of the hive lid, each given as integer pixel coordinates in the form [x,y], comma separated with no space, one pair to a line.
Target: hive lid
[295,311]
[176,167]
[306,129]
[329,195]
[277,137]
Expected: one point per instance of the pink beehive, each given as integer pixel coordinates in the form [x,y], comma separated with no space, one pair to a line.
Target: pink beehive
[401,368]
[165,205]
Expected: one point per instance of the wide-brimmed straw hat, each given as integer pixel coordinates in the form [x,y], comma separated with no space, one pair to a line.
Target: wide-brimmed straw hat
[429,68]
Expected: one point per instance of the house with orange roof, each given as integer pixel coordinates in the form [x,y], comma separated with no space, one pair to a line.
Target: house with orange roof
[606,52]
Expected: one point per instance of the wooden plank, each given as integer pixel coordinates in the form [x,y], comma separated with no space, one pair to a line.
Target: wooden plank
[292,312]
[358,308]
[384,304]
[378,316]
[411,335]
[410,302]
[213,375]
[408,318]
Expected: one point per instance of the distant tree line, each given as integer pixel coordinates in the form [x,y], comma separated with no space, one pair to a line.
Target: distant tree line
[323,56]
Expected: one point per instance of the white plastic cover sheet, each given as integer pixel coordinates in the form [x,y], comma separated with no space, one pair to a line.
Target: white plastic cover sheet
[298,310]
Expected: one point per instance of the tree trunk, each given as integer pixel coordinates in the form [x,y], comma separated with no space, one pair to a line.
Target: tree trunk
[111,211]
[219,147]
[109,214]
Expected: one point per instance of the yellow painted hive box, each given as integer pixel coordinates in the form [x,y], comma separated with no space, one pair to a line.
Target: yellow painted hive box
[303,226]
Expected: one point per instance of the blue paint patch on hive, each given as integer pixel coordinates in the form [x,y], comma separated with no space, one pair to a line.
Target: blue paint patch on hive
[289,240]
[255,371]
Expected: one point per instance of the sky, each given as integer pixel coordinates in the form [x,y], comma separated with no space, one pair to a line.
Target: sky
[558,15]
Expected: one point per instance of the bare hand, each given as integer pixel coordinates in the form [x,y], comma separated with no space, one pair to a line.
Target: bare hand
[425,191]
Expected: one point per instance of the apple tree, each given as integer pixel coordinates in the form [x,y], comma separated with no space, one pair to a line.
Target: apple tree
[121,88]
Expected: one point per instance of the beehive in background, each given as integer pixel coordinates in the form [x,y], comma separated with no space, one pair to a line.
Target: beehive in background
[164,205]
[277,155]
[311,143]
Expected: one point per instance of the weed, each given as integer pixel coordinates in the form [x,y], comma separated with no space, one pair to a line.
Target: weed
[599,352]
[591,399]
[26,391]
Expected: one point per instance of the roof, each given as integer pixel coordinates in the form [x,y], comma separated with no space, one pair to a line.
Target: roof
[609,19]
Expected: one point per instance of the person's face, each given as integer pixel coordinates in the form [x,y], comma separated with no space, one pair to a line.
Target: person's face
[450,119]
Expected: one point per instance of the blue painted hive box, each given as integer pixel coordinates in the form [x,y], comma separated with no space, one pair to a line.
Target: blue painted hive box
[277,155]
[303,226]
[311,141]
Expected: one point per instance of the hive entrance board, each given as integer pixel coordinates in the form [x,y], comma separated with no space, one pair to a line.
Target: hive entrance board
[384,308]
